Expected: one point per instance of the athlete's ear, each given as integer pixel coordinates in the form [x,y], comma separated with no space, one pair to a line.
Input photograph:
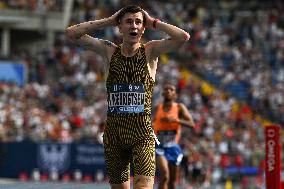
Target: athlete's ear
[143,30]
[175,96]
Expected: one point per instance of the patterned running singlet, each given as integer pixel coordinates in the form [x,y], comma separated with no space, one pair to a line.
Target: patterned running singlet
[128,136]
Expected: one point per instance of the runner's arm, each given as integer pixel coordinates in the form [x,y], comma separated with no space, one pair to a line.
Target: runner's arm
[177,37]
[185,117]
[80,34]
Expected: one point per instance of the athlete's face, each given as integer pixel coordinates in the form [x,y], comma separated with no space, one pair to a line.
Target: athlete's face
[169,92]
[131,26]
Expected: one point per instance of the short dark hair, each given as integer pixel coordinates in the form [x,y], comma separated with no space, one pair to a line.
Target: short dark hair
[169,83]
[130,9]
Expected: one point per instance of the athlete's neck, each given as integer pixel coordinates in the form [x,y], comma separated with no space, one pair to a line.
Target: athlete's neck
[129,49]
[168,103]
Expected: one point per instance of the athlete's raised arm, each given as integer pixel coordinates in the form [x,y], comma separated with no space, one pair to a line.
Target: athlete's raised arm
[177,37]
[79,33]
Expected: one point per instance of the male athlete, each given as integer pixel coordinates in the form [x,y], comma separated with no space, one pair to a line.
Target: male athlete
[168,119]
[130,75]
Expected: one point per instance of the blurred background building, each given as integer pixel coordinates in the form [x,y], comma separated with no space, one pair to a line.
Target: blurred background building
[230,74]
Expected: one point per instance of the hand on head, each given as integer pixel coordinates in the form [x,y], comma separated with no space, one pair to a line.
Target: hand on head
[149,20]
[114,18]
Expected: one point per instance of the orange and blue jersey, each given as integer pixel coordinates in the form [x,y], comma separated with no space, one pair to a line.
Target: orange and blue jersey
[167,132]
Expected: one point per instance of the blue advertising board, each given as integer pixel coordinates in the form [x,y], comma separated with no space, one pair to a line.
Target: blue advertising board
[13,72]
[64,158]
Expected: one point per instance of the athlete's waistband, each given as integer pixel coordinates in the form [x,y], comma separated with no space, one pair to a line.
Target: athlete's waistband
[128,114]
[169,144]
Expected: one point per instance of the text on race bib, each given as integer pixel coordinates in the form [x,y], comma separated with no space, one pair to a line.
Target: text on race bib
[126,98]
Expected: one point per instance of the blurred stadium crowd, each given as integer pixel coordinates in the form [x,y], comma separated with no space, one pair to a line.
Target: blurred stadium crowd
[230,75]
[32,5]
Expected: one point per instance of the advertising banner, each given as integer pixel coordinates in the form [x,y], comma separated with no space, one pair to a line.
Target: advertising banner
[13,72]
[272,157]
[51,157]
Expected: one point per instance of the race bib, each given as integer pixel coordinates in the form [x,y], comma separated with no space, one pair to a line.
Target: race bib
[126,98]
[166,137]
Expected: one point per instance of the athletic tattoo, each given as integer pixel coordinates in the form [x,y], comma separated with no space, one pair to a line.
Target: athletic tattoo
[98,24]
[106,42]
[148,179]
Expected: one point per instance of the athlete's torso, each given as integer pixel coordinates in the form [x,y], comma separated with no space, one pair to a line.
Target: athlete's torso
[129,84]
[167,132]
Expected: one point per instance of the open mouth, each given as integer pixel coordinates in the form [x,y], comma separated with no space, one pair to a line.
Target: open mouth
[134,34]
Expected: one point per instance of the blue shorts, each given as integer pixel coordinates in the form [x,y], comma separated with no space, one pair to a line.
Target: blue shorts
[172,153]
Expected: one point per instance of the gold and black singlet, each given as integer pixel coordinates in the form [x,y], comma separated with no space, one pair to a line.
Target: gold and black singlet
[129,84]
[128,135]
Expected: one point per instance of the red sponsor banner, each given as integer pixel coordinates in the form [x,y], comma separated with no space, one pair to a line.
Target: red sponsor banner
[272,157]
[282,177]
